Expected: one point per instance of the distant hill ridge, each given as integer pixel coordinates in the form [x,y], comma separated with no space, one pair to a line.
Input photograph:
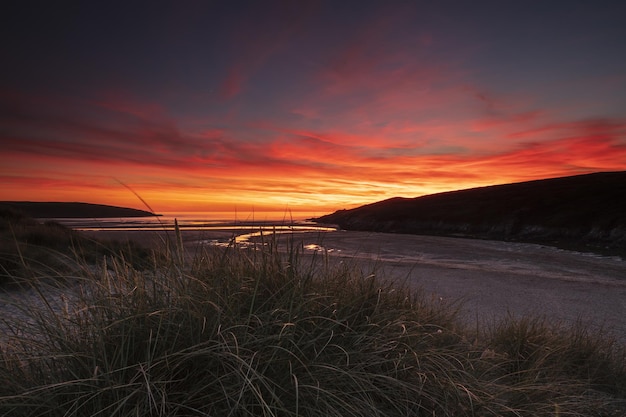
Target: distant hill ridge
[588,209]
[71,210]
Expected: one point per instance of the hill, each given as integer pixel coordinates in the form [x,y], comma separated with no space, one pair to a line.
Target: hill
[588,210]
[70,210]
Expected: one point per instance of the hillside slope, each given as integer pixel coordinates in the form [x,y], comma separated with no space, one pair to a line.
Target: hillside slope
[70,210]
[588,209]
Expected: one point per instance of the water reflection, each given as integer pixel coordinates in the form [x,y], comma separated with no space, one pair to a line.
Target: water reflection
[263,236]
[167,223]
[211,232]
[279,230]
[314,247]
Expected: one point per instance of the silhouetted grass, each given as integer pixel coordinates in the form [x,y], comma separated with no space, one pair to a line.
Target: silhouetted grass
[269,332]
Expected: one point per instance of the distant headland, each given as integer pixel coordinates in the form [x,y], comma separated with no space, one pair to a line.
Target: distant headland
[58,210]
[583,211]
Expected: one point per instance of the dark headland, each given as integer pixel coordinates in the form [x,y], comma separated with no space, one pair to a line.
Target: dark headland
[577,212]
[59,210]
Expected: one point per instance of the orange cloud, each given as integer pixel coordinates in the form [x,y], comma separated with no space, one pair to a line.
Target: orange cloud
[76,150]
[315,107]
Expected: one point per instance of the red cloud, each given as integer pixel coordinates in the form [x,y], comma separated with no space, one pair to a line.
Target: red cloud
[67,148]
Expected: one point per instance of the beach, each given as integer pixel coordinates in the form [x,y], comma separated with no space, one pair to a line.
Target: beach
[343,327]
[488,280]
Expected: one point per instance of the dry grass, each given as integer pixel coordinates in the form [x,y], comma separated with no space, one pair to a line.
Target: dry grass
[269,332]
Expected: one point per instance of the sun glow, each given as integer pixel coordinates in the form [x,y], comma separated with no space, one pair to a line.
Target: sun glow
[317,115]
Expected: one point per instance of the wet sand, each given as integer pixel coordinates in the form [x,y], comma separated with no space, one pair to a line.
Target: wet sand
[491,278]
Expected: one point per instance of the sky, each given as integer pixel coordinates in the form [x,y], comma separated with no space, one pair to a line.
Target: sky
[304,106]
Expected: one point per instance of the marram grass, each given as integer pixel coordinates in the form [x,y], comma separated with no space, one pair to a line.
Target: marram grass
[274,332]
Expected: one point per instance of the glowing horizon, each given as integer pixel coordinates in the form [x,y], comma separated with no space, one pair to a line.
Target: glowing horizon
[310,108]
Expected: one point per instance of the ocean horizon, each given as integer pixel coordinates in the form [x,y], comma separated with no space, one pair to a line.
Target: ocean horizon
[196,221]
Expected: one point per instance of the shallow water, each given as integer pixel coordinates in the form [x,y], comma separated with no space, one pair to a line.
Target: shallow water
[187,221]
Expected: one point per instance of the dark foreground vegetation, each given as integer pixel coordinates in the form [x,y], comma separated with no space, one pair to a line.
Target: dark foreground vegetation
[51,248]
[585,212]
[273,332]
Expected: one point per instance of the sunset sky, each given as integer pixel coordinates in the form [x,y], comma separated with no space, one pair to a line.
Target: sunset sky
[304,105]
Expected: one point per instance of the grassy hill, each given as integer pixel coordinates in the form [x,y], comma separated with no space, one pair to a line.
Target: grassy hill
[587,210]
[25,241]
[71,210]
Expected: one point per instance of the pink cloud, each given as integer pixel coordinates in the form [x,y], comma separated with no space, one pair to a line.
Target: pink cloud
[354,161]
[232,85]
[254,41]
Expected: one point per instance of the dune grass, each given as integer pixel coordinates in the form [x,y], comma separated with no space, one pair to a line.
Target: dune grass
[50,249]
[271,331]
